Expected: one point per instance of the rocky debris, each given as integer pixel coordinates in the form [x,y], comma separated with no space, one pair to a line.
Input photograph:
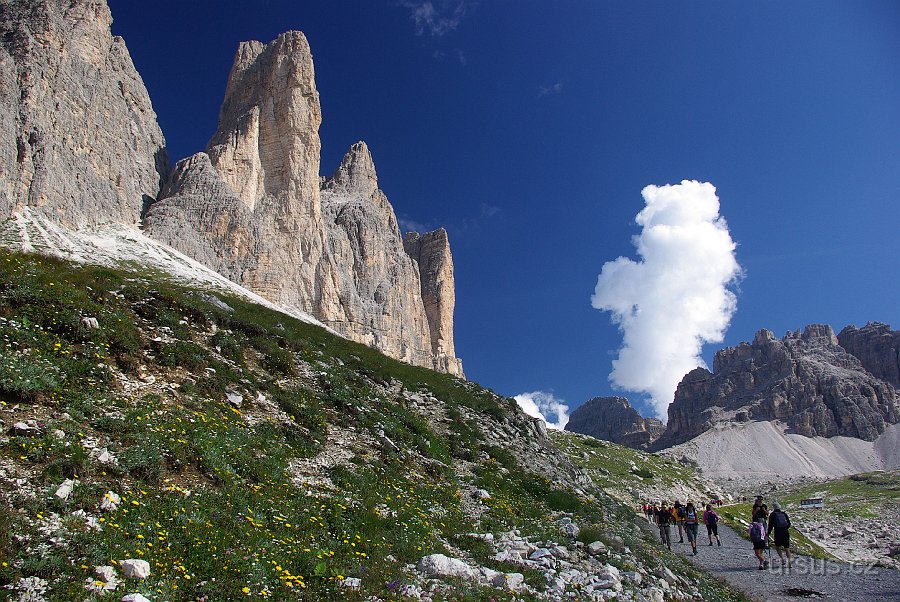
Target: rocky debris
[805,379]
[878,349]
[135,568]
[351,583]
[104,456]
[80,142]
[27,428]
[614,419]
[90,323]
[253,208]
[104,580]
[856,539]
[234,398]
[92,523]
[64,490]
[576,571]
[439,565]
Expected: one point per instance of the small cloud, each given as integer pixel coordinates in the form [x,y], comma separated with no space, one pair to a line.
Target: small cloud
[546,406]
[550,90]
[459,55]
[489,210]
[409,225]
[436,17]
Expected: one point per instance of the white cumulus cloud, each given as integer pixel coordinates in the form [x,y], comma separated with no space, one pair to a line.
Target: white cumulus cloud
[545,406]
[676,297]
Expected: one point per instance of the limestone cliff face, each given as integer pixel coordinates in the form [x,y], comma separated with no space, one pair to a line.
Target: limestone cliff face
[79,141]
[248,206]
[253,207]
[614,419]
[806,380]
[878,349]
[379,300]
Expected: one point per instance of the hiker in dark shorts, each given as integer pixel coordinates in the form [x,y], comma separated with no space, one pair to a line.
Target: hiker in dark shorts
[779,525]
[691,523]
[664,520]
[712,524]
[757,533]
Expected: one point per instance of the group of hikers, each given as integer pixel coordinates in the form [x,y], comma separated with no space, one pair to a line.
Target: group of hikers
[763,526]
[686,518]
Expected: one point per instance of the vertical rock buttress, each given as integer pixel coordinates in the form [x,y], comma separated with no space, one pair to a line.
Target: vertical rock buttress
[432,254]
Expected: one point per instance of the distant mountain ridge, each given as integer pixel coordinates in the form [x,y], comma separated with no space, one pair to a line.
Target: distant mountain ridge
[81,147]
[812,382]
[806,379]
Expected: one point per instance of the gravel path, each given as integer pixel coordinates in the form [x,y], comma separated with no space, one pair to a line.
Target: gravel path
[734,561]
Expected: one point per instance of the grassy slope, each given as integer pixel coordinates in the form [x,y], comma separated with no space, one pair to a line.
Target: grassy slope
[211,495]
[631,475]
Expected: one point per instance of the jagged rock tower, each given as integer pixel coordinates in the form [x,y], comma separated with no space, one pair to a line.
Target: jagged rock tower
[253,207]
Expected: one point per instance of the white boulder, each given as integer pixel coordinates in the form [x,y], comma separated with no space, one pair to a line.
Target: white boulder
[439,565]
[135,568]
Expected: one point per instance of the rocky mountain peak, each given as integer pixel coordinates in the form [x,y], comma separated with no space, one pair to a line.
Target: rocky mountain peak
[806,380]
[267,141]
[80,147]
[431,251]
[764,336]
[356,174]
[820,332]
[614,419]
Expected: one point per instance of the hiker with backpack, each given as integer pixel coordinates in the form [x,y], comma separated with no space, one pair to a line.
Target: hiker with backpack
[712,524]
[678,516]
[757,533]
[779,525]
[691,523]
[664,520]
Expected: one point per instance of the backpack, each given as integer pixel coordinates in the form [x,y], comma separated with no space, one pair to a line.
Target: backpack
[757,532]
[780,520]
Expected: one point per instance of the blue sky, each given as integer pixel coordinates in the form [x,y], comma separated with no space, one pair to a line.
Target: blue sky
[528,129]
